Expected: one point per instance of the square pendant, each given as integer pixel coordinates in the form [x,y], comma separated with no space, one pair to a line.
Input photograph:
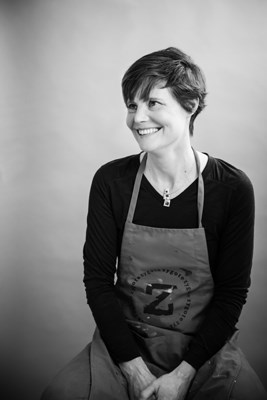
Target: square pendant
[167,202]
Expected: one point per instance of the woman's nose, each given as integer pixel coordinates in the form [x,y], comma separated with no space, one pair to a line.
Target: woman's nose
[141,114]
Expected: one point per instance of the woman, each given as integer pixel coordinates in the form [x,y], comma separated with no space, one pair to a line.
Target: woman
[167,256]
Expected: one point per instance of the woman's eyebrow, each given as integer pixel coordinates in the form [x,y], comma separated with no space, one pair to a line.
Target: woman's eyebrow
[156,98]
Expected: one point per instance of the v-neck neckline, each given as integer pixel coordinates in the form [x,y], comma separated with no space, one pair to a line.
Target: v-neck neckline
[158,196]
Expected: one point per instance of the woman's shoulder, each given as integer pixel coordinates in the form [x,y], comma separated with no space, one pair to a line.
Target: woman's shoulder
[223,173]
[120,168]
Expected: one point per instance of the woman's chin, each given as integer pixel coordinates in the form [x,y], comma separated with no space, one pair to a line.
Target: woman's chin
[146,144]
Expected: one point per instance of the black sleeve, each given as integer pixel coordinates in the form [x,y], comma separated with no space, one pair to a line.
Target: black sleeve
[100,257]
[231,277]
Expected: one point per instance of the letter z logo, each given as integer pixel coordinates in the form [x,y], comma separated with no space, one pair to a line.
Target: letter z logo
[166,290]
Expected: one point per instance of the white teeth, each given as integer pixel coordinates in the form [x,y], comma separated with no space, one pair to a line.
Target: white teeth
[147,131]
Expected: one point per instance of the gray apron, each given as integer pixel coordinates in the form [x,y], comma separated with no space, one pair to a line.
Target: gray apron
[164,285]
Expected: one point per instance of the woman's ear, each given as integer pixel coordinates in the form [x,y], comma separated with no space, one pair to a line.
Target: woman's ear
[195,103]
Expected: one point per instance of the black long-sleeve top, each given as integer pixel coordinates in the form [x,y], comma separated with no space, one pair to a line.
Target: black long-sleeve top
[228,219]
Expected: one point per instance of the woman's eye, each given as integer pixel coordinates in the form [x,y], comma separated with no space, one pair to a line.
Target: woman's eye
[131,106]
[153,103]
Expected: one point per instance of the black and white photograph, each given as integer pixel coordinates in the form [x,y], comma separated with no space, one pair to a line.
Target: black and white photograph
[133,218]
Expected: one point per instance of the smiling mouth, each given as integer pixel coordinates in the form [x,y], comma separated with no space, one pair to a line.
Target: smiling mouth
[148,131]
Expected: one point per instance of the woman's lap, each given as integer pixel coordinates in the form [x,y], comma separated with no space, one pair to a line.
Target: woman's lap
[73,382]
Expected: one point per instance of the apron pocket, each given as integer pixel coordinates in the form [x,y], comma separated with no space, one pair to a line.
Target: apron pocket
[163,350]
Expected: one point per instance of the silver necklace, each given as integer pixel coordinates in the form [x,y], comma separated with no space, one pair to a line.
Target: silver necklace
[166,198]
[166,192]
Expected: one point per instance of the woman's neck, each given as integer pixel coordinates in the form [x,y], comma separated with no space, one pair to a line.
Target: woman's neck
[173,170]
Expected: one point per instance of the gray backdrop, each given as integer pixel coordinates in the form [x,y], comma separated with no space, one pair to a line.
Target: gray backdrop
[62,116]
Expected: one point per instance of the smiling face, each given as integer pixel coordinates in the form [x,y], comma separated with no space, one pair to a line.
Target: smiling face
[158,123]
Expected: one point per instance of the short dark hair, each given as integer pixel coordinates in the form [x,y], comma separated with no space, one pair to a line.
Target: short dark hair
[175,70]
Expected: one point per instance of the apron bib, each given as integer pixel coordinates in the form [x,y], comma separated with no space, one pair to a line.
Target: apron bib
[164,285]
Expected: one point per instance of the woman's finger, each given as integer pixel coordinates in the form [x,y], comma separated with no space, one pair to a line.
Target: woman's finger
[148,393]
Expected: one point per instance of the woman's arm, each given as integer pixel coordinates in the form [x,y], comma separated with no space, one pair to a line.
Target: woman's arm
[231,276]
[100,256]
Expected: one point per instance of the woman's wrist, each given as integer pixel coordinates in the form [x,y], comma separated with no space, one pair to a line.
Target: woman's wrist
[185,371]
[133,366]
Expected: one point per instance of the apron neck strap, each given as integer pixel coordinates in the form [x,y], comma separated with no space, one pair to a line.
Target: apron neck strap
[136,188]
[200,191]
[137,183]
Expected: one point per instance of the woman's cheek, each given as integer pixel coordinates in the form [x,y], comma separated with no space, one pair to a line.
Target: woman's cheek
[129,121]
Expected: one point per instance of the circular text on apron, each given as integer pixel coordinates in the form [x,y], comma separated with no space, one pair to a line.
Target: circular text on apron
[161,296]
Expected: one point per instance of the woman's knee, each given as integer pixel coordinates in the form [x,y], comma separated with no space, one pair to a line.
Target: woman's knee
[247,386]
[67,388]
[55,391]
[72,382]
